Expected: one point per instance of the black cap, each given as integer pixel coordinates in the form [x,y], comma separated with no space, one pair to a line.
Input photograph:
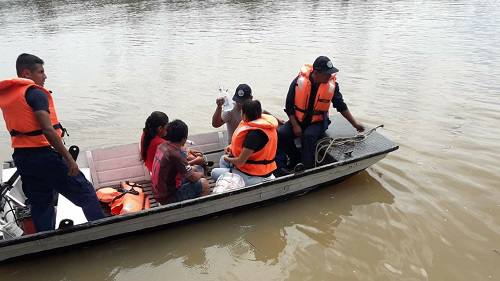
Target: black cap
[323,64]
[243,92]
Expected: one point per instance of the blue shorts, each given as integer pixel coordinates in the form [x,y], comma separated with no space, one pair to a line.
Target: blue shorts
[188,190]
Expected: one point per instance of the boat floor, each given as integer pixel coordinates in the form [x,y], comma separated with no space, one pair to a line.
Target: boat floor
[148,191]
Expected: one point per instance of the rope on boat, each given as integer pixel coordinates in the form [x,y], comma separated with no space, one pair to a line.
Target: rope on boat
[327,144]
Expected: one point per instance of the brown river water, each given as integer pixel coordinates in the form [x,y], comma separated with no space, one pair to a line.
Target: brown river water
[428,70]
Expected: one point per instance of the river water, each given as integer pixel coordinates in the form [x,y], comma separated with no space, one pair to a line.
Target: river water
[427,70]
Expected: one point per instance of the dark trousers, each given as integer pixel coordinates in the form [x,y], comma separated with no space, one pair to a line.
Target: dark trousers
[44,171]
[286,145]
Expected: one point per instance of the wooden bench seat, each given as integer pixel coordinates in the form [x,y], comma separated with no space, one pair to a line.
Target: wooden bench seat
[110,166]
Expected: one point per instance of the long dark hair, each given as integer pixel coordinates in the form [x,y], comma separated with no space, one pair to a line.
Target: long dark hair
[155,120]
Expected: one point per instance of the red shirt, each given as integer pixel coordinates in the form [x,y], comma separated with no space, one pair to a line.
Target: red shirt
[170,169]
[155,142]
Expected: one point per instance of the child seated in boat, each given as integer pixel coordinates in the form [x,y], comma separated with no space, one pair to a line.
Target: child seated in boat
[173,179]
[253,146]
[154,134]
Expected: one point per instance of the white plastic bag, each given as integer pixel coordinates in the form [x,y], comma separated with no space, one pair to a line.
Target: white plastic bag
[228,102]
[228,181]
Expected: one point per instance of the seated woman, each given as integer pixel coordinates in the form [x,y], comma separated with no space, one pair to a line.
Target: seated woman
[153,135]
[253,146]
[173,179]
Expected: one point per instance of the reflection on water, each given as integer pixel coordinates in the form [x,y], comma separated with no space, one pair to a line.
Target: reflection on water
[300,229]
[427,70]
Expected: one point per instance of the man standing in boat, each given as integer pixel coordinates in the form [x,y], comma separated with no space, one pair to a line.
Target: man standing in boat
[308,100]
[43,162]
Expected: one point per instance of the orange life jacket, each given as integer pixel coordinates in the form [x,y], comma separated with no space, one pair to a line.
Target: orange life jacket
[323,98]
[260,162]
[19,116]
[127,198]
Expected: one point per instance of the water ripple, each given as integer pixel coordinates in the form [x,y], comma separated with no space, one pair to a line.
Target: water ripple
[427,70]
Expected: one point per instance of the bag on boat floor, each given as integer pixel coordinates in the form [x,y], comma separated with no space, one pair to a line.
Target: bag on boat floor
[127,198]
[228,181]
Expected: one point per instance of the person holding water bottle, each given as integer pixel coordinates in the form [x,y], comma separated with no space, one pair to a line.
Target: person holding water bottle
[229,111]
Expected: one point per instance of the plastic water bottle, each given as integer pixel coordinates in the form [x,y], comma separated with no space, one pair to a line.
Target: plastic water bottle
[228,102]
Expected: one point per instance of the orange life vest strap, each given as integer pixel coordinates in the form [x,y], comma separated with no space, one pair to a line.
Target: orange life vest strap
[314,112]
[123,192]
[124,199]
[15,133]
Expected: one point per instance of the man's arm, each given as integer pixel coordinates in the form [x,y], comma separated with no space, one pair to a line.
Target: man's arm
[297,130]
[196,160]
[339,104]
[241,159]
[55,141]
[290,99]
[347,115]
[217,117]
[290,109]
[280,121]
[255,140]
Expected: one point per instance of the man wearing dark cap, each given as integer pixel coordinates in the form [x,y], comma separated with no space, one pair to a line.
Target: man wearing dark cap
[232,117]
[307,103]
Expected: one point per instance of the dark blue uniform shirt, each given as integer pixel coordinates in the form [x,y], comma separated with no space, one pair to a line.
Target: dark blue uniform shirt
[37,99]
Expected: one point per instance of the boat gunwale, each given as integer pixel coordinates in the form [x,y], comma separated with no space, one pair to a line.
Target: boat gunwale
[178,205]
